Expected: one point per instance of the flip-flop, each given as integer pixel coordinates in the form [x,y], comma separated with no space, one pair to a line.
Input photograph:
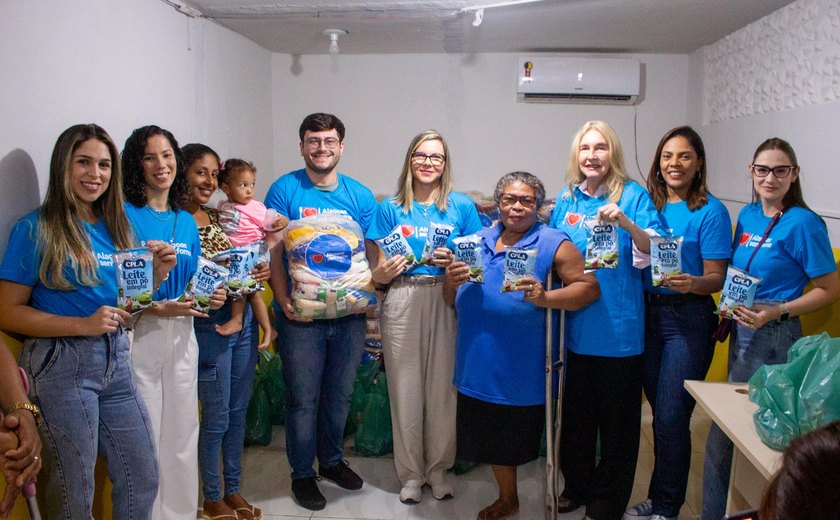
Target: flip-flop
[205,516]
[255,512]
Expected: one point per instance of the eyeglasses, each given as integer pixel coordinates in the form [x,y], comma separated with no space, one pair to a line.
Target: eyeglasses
[329,142]
[435,158]
[509,199]
[779,172]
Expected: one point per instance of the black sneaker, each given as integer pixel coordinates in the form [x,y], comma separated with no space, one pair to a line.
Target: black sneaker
[341,475]
[306,494]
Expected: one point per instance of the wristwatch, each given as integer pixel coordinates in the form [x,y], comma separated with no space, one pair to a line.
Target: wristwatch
[784,314]
[36,412]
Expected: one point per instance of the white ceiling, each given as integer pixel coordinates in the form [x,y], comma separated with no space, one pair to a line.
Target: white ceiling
[446,26]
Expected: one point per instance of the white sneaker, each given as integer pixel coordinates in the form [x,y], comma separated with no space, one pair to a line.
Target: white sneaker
[641,511]
[442,490]
[411,492]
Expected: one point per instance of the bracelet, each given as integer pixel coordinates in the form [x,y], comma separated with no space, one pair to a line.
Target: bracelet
[33,408]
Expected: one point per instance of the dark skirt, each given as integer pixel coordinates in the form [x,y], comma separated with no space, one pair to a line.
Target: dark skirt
[498,434]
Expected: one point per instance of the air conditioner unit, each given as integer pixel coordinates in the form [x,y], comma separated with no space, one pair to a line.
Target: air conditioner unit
[578,80]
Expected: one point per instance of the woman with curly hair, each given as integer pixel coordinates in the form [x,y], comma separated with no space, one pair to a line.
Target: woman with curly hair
[164,350]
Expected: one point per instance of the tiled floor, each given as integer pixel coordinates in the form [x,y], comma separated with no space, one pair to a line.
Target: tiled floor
[266,484]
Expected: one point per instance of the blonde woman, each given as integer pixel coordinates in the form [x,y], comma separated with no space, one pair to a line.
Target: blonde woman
[418,327]
[605,340]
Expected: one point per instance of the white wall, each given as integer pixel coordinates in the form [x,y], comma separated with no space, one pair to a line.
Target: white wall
[779,76]
[121,65]
[385,100]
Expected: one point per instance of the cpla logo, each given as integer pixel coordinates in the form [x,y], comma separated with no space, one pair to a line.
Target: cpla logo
[391,238]
[207,271]
[573,218]
[236,257]
[308,212]
[444,232]
[745,237]
[740,280]
[517,255]
[602,228]
[134,264]
[669,246]
[466,246]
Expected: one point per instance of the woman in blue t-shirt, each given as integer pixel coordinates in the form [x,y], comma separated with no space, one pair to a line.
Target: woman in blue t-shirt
[796,251]
[603,389]
[165,351]
[58,287]
[418,327]
[680,317]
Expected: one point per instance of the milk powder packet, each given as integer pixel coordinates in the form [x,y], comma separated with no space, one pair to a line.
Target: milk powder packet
[207,278]
[242,261]
[438,237]
[665,258]
[738,291]
[519,263]
[395,243]
[135,279]
[601,244]
[468,250]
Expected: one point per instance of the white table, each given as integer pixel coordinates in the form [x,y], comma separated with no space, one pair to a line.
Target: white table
[753,463]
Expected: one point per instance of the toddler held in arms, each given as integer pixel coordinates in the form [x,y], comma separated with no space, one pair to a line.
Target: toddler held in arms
[246,221]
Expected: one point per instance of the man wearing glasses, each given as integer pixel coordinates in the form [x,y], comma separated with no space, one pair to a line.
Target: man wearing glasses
[320,356]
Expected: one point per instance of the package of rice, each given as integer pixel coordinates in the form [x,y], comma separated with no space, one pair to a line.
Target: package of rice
[135,279]
[468,250]
[519,263]
[601,244]
[328,268]
[438,237]
[665,258]
[395,243]
[738,291]
[207,278]
[240,262]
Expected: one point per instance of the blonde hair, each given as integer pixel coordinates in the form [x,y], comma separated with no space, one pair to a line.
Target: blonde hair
[62,237]
[617,174]
[405,189]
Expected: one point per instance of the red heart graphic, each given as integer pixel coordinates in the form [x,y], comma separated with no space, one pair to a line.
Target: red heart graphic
[745,237]
[309,212]
[573,218]
[317,258]
[407,231]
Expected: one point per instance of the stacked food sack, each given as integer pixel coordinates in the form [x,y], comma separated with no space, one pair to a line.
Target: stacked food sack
[328,268]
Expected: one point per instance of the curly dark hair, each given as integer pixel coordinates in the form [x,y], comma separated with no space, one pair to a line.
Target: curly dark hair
[321,122]
[134,182]
[698,192]
[195,151]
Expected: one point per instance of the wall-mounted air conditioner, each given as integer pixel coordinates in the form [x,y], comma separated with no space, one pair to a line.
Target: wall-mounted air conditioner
[578,80]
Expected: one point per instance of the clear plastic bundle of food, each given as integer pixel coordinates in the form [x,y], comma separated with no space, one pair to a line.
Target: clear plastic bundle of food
[240,261]
[328,268]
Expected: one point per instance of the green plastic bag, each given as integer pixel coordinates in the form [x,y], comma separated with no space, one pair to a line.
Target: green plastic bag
[258,417]
[374,435]
[362,386]
[799,396]
[270,372]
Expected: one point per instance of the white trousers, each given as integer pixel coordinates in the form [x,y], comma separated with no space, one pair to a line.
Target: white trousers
[418,343]
[164,355]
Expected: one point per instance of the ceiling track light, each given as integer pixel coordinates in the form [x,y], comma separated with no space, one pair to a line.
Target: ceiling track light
[334,34]
[479,9]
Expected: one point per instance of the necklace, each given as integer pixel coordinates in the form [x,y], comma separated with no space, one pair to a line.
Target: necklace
[157,214]
[425,207]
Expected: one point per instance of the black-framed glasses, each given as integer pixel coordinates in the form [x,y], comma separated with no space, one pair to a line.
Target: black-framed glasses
[526,201]
[435,158]
[779,172]
[329,142]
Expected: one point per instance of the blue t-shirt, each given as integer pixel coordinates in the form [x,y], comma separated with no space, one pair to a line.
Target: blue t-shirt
[23,260]
[294,196]
[500,349]
[460,212]
[706,232]
[182,233]
[612,326]
[797,250]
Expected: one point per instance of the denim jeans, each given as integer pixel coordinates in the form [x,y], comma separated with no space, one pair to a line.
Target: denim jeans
[678,346]
[748,350]
[320,359]
[89,401]
[226,366]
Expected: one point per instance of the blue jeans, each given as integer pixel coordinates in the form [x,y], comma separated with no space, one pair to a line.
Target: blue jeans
[226,369]
[89,401]
[748,350]
[320,359]
[678,346]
